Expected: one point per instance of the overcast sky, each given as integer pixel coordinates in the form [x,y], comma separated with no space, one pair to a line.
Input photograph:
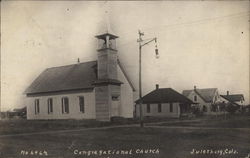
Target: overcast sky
[200,43]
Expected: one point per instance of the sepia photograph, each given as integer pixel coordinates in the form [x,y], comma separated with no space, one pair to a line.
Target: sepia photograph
[125,79]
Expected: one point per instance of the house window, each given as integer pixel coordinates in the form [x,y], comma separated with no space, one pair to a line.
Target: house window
[195,98]
[81,104]
[148,108]
[37,109]
[115,97]
[65,105]
[171,107]
[159,107]
[204,108]
[50,105]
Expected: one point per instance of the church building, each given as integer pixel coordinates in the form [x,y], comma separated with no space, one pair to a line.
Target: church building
[97,89]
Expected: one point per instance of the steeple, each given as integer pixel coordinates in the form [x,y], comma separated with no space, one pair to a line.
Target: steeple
[107,85]
[107,37]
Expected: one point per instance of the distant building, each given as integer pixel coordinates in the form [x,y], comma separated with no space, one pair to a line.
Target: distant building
[203,98]
[91,90]
[237,99]
[163,102]
[18,113]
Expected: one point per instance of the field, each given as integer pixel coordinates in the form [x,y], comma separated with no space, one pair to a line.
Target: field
[173,139]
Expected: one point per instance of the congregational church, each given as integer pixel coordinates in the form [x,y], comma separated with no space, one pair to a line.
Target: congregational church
[98,89]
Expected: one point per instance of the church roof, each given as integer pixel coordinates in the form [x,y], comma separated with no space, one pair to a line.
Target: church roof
[70,77]
[207,94]
[164,95]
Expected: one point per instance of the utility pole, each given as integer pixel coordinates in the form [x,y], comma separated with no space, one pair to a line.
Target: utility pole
[140,89]
[140,82]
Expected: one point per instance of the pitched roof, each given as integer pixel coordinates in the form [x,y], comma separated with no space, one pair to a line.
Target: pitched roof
[206,94]
[233,97]
[69,77]
[164,95]
[125,74]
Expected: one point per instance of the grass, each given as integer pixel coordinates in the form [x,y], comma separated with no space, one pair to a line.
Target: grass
[220,122]
[172,143]
[27,126]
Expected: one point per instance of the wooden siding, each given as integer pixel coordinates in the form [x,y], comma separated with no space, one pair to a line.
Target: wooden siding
[107,64]
[74,108]
[102,103]
[165,110]
[126,99]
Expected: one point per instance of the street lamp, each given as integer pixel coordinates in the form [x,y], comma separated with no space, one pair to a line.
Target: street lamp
[141,44]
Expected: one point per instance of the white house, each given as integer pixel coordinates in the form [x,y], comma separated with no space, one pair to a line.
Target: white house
[237,99]
[163,102]
[91,90]
[203,98]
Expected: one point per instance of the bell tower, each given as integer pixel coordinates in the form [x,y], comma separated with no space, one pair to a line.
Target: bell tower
[107,86]
[107,56]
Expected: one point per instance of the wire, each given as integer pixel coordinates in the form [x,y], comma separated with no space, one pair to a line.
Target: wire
[194,22]
[188,23]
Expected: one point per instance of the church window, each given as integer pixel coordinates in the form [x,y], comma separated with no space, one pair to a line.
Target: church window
[50,105]
[37,109]
[65,105]
[81,104]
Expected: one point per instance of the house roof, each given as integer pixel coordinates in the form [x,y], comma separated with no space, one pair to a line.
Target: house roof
[164,95]
[206,94]
[69,77]
[233,97]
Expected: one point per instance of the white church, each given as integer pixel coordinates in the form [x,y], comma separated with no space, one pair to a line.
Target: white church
[97,89]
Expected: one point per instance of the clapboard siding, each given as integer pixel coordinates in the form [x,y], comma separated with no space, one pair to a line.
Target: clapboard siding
[102,103]
[74,108]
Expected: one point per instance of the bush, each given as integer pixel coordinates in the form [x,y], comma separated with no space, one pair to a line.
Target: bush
[231,108]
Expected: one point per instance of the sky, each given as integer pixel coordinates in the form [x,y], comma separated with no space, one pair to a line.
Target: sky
[202,43]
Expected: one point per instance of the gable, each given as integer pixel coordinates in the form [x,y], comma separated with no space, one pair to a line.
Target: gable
[207,95]
[199,98]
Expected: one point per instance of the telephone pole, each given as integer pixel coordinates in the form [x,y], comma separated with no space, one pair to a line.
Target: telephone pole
[141,44]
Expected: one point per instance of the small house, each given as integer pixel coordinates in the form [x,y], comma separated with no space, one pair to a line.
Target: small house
[163,102]
[203,98]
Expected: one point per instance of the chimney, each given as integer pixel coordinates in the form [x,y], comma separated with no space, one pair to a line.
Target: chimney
[157,86]
[194,87]
[227,92]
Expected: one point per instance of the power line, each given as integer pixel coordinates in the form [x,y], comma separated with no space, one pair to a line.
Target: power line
[241,14]
[201,21]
